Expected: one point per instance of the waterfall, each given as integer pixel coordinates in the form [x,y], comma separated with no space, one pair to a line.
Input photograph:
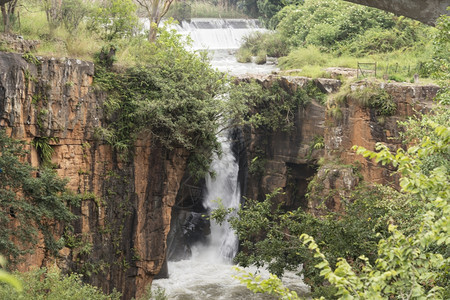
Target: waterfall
[208,273]
[224,187]
[215,34]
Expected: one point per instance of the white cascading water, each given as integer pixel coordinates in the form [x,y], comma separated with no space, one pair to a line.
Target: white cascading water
[209,273]
[224,188]
[217,34]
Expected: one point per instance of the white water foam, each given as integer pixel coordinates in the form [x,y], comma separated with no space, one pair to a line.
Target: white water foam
[221,38]
[198,280]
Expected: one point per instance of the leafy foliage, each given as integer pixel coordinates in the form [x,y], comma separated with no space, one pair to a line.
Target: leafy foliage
[51,284]
[73,12]
[7,278]
[375,97]
[271,43]
[269,108]
[440,64]
[45,151]
[29,204]
[269,234]
[171,94]
[272,285]
[334,24]
[413,264]
[114,19]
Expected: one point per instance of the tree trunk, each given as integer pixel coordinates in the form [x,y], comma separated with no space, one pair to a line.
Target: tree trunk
[5,15]
[152,32]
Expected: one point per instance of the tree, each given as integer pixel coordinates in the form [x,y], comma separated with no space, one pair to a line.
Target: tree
[156,10]
[8,8]
[72,13]
[53,12]
[114,19]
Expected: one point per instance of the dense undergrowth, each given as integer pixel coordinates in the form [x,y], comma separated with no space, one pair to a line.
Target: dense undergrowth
[315,34]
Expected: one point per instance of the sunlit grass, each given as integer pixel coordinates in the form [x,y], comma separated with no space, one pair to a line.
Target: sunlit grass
[81,44]
[401,64]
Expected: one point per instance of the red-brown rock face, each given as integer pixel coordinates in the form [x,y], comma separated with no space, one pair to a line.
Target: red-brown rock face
[119,240]
[289,160]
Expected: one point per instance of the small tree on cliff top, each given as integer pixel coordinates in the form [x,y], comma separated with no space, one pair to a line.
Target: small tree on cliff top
[156,10]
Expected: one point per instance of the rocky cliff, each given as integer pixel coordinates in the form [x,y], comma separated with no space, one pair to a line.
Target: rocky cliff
[119,239]
[319,148]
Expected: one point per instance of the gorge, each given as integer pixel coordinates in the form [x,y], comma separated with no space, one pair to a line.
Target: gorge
[127,210]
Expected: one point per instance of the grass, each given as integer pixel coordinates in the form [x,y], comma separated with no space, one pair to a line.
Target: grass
[400,65]
[34,26]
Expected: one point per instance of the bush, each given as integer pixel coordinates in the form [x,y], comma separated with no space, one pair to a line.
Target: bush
[373,96]
[244,55]
[258,43]
[114,19]
[261,57]
[302,57]
[171,93]
[332,25]
[50,284]
[29,205]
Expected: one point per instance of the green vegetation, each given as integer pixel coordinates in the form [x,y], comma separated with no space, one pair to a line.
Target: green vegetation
[45,151]
[316,34]
[7,278]
[258,43]
[270,108]
[33,203]
[170,93]
[51,284]
[115,19]
[373,96]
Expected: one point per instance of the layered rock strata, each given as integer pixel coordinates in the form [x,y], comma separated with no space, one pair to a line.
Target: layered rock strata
[319,147]
[119,239]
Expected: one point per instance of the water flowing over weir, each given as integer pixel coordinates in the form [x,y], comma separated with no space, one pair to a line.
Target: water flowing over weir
[221,38]
[204,268]
[217,34]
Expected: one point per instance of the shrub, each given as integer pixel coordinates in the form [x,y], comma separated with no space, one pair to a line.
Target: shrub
[302,57]
[170,93]
[337,25]
[258,42]
[261,57]
[30,205]
[52,285]
[244,55]
[373,96]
